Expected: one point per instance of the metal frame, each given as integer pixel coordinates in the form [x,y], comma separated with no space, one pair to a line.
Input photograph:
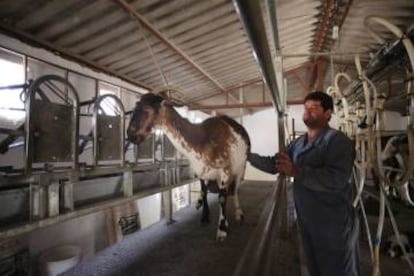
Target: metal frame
[45,197]
[30,134]
[95,125]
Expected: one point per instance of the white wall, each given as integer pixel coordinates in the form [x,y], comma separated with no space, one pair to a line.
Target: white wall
[262,129]
[394,121]
[87,232]
[295,112]
[263,132]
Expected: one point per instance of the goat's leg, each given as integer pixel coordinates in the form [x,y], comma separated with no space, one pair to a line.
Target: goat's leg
[201,196]
[205,217]
[238,210]
[223,225]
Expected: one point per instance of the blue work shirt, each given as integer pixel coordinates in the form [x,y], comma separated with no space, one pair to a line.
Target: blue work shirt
[323,199]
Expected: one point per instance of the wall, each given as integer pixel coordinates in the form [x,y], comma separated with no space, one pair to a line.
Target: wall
[87,232]
[394,121]
[263,132]
[18,46]
[262,129]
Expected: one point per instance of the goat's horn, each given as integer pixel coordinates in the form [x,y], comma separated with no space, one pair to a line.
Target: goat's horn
[166,93]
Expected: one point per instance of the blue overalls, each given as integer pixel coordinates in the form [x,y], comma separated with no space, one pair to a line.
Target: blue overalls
[323,200]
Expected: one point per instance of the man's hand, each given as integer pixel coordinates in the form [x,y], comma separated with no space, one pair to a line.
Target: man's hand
[285,165]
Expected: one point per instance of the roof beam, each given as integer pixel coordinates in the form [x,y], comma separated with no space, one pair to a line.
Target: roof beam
[311,78]
[320,40]
[241,105]
[171,45]
[231,106]
[246,83]
[302,82]
[128,8]
[330,13]
[228,90]
[321,71]
[324,27]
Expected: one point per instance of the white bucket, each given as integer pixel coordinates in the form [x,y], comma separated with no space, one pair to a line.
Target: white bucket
[59,259]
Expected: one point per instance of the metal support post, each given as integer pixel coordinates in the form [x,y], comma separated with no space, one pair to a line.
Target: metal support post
[68,191]
[127,182]
[177,173]
[38,199]
[167,195]
[53,199]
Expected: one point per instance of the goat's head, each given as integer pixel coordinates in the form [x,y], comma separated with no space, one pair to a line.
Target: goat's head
[144,117]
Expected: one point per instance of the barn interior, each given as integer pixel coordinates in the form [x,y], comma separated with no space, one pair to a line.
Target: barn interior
[77,197]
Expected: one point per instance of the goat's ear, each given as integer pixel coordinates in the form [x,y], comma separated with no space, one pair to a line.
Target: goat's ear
[176,103]
[173,102]
[164,94]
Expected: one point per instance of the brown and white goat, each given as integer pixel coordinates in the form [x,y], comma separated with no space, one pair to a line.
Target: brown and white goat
[217,148]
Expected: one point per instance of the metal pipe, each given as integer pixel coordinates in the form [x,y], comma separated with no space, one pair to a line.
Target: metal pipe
[21,229]
[254,260]
[251,15]
[293,55]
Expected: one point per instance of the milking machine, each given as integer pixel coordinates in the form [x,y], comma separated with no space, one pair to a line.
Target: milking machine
[347,124]
[371,116]
[403,181]
[52,168]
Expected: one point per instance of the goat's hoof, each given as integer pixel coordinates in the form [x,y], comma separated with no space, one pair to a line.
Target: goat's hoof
[205,220]
[221,235]
[199,204]
[239,216]
[240,219]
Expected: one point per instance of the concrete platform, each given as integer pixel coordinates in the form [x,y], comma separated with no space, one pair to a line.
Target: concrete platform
[185,247]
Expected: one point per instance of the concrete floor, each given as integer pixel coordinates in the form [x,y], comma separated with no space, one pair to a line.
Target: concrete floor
[188,248]
[185,247]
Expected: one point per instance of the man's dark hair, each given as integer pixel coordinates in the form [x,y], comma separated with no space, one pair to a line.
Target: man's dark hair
[325,99]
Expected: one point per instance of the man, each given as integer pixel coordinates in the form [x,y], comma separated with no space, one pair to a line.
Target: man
[321,163]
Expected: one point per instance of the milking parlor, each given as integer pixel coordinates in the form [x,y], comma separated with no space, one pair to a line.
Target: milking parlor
[216,137]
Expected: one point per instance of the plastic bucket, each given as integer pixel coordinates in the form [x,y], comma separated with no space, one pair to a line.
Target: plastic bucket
[59,259]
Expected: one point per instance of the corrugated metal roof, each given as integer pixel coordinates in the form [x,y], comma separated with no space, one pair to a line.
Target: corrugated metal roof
[199,47]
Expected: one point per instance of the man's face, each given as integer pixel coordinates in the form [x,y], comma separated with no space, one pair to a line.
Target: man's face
[314,116]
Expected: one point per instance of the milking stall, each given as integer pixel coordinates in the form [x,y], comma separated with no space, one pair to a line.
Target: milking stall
[126,128]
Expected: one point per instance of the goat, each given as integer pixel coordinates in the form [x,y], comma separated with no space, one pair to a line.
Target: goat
[217,149]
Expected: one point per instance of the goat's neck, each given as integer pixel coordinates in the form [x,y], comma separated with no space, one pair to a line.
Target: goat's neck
[182,133]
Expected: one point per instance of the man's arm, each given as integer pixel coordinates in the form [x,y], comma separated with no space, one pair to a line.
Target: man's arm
[335,173]
[263,163]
